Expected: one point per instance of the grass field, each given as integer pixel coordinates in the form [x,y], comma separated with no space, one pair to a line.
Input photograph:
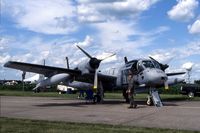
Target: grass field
[164,97]
[9,125]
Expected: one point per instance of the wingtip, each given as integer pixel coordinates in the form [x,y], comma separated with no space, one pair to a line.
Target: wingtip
[6,64]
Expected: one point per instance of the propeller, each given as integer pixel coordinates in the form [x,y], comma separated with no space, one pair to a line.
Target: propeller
[95,80]
[162,66]
[166,85]
[94,63]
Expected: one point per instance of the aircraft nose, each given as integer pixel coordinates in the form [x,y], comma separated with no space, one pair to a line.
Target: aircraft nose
[157,77]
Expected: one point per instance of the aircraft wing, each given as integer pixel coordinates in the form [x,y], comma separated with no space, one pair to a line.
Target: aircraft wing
[47,71]
[172,74]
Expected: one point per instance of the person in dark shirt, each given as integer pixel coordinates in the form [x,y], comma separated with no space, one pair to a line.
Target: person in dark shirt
[131,89]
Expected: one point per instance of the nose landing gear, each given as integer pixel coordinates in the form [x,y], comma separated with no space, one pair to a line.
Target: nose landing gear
[154,98]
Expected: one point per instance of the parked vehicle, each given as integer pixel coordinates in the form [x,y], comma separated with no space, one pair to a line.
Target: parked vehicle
[190,90]
[62,89]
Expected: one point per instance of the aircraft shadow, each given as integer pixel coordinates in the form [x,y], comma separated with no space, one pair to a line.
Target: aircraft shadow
[83,103]
[77,104]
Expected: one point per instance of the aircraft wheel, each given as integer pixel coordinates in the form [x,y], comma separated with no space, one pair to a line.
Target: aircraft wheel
[36,91]
[149,101]
[97,99]
[191,94]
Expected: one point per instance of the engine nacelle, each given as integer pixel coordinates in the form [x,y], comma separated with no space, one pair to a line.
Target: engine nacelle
[85,67]
[54,80]
[80,85]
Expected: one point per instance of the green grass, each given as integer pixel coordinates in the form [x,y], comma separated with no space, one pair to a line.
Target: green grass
[10,125]
[164,97]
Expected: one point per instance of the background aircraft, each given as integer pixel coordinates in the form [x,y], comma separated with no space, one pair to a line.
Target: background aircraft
[150,75]
[34,79]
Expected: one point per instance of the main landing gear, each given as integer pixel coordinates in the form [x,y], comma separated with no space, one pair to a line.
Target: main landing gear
[98,97]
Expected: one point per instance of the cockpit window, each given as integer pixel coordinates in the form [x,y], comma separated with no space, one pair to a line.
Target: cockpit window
[156,64]
[140,67]
[148,64]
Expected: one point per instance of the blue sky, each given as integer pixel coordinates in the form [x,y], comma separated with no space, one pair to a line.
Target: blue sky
[33,30]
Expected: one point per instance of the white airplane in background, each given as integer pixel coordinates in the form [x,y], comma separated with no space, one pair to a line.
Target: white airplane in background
[34,79]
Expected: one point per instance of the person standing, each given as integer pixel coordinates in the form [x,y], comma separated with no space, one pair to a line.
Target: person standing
[131,89]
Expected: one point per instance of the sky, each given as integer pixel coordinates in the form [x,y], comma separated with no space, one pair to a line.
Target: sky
[34,30]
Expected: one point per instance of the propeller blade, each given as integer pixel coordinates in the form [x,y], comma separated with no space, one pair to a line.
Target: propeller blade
[166,85]
[108,56]
[154,59]
[163,66]
[88,55]
[95,80]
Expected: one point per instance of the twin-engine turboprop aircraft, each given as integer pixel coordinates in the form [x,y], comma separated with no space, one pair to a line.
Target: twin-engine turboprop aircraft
[150,75]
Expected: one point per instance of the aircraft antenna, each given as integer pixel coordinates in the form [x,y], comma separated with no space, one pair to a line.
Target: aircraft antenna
[67,60]
[125,59]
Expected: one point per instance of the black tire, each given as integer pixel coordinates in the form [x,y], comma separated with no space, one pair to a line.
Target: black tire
[149,102]
[96,99]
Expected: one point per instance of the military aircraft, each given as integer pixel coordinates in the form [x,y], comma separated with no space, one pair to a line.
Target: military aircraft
[150,75]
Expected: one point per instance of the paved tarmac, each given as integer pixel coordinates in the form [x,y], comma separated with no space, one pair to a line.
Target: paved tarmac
[174,115]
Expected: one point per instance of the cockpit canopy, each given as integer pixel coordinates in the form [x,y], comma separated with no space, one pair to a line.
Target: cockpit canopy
[150,64]
[139,65]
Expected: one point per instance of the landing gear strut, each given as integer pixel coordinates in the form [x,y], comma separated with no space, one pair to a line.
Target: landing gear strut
[154,98]
[98,97]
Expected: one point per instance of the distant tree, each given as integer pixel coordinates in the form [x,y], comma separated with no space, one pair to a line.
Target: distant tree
[197,81]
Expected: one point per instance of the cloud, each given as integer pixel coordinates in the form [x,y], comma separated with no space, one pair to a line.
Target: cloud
[187,65]
[48,17]
[87,42]
[3,43]
[183,11]
[101,11]
[162,57]
[125,37]
[4,58]
[195,27]
[192,48]
[184,51]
